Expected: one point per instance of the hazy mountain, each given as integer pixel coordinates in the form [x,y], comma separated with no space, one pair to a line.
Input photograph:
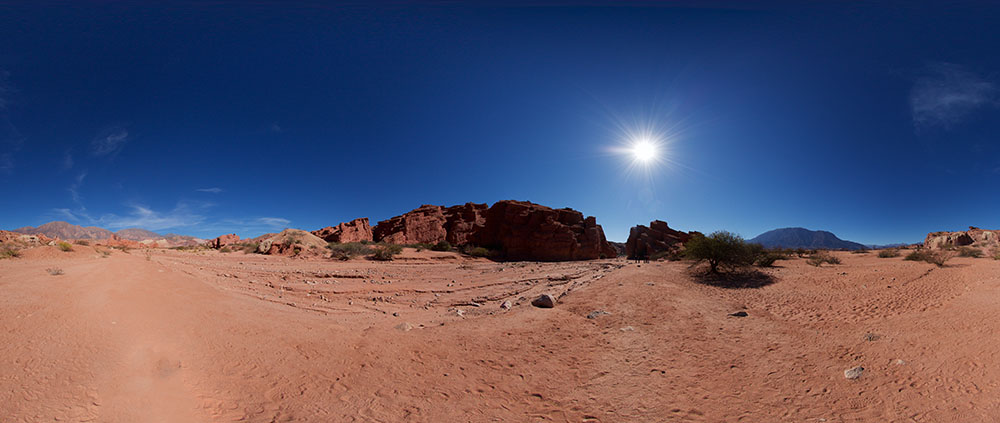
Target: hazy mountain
[804,238]
[136,234]
[64,230]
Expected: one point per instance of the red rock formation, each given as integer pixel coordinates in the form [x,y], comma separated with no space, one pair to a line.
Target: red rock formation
[658,237]
[461,222]
[522,230]
[980,238]
[424,224]
[517,230]
[223,241]
[117,241]
[356,230]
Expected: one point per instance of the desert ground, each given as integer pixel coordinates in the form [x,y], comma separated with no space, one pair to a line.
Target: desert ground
[177,336]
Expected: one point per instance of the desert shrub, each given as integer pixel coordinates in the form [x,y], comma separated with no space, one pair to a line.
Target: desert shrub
[385,252]
[54,271]
[347,250]
[722,250]
[819,258]
[768,258]
[442,246]
[917,255]
[970,252]
[225,249]
[81,242]
[477,251]
[9,253]
[104,254]
[248,247]
[888,253]
[862,250]
[65,246]
[937,258]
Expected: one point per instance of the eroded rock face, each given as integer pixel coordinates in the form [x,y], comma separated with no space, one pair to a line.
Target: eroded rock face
[223,241]
[521,230]
[357,230]
[644,241]
[983,238]
[423,224]
[292,242]
[117,241]
[518,230]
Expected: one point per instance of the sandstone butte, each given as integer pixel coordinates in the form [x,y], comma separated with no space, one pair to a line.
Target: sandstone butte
[974,237]
[357,230]
[645,241]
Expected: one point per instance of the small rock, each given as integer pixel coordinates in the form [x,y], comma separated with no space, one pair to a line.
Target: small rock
[597,313]
[395,314]
[627,329]
[739,314]
[871,337]
[854,372]
[899,362]
[405,327]
[544,301]
[506,305]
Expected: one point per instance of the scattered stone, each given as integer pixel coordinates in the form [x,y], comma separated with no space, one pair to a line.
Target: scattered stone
[395,314]
[739,314]
[627,329]
[871,337]
[899,362]
[597,313]
[506,305]
[544,301]
[405,327]
[854,372]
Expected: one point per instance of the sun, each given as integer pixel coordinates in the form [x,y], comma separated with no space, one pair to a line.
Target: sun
[644,151]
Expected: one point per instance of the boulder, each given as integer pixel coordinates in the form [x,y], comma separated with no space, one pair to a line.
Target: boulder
[223,241]
[644,241]
[292,242]
[357,230]
[544,301]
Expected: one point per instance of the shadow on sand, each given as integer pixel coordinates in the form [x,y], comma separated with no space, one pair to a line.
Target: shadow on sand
[737,279]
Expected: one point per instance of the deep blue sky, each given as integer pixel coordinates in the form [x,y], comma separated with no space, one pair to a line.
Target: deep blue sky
[878,123]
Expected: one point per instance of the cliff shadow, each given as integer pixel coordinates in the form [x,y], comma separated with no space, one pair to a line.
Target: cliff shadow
[735,279]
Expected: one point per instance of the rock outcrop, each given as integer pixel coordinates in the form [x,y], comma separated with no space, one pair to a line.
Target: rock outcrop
[117,241]
[19,240]
[982,238]
[517,230]
[644,241]
[292,242]
[357,230]
[223,241]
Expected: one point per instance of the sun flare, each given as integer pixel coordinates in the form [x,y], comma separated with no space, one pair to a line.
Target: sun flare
[644,151]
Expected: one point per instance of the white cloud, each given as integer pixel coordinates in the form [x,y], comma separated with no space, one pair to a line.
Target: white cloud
[109,141]
[181,216]
[275,222]
[213,190]
[74,188]
[944,94]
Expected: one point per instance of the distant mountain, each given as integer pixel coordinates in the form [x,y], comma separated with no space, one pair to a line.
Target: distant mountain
[804,238]
[63,230]
[136,234]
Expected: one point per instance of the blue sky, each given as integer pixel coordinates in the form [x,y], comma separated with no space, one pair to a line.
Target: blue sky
[878,123]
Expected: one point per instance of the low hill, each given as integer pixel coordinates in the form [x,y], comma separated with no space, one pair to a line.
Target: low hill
[65,230]
[804,238]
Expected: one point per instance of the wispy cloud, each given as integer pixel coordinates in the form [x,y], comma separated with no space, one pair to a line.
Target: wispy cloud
[275,128]
[945,94]
[109,141]
[275,222]
[181,216]
[74,188]
[67,161]
[213,190]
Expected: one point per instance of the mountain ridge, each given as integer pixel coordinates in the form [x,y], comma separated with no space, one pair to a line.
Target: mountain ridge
[804,238]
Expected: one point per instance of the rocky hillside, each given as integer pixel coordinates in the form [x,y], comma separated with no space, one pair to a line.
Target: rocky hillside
[64,230]
[517,230]
[804,238]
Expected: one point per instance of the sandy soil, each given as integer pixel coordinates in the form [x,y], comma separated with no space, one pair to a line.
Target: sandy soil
[172,336]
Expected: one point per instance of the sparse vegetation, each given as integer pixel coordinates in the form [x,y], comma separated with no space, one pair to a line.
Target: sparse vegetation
[724,251]
[937,258]
[225,249]
[104,253]
[348,250]
[442,246]
[888,253]
[248,247]
[477,251]
[821,257]
[54,271]
[9,252]
[670,255]
[862,250]
[386,252]
[65,246]
[81,242]
[768,258]
[970,252]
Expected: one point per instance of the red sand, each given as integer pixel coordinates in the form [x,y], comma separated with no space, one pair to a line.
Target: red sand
[189,337]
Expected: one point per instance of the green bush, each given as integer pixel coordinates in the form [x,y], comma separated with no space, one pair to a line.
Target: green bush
[225,249]
[348,250]
[9,253]
[970,252]
[722,250]
[821,257]
[888,253]
[385,252]
[442,246]
[478,252]
[65,246]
